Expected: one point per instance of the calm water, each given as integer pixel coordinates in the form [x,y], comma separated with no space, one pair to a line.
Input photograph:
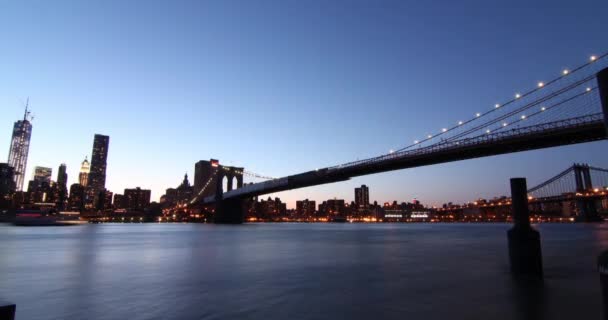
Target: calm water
[293,271]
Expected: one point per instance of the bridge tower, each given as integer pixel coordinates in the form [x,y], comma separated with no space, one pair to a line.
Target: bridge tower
[587,210]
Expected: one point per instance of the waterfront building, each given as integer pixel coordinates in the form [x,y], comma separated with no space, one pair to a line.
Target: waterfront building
[136,199]
[362,197]
[19,148]
[119,201]
[305,208]
[99,157]
[77,197]
[7,184]
[62,186]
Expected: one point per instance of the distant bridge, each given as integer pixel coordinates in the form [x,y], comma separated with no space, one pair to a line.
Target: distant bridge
[568,109]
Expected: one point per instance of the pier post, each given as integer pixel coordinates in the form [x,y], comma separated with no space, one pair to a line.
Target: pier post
[602,84]
[602,267]
[7,311]
[524,242]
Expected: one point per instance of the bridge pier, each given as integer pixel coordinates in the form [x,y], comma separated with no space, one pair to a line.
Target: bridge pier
[587,212]
[7,311]
[229,211]
[524,242]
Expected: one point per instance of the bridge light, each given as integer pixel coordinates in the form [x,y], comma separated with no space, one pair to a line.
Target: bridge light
[488,131]
[391,151]
[523,117]
[497,106]
[543,109]
[565,72]
[504,124]
[517,96]
[596,190]
[478,114]
[429,136]
[415,141]
[541,84]
[444,130]
[588,89]
[593,58]
[460,123]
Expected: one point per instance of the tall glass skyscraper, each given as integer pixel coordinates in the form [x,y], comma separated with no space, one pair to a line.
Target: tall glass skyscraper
[97,175]
[20,147]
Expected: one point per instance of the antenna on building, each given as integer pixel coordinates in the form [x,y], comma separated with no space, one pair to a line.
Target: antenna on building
[27,113]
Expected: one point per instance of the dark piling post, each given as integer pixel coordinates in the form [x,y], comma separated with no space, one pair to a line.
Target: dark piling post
[7,311]
[602,267]
[524,242]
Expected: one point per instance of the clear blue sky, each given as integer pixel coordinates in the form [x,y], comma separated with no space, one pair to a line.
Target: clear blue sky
[281,87]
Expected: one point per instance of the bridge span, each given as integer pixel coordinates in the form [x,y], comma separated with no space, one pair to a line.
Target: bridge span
[569,109]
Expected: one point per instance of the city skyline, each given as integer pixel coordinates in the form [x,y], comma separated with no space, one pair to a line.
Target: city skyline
[353,112]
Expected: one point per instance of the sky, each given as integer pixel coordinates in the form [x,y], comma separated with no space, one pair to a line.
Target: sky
[283,87]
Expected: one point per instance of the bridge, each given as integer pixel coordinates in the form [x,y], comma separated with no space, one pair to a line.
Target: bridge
[579,192]
[570,108]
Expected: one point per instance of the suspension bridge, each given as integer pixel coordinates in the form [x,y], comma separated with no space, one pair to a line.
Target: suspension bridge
[570,108]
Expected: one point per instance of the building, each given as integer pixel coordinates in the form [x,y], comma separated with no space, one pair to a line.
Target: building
[99,157]
[62,186]
[7,184]
[362,197]
[136,199]
[119,201]
[305,208]
[42,174]
[334,208]
[19,149]
[77,197]
[83,176]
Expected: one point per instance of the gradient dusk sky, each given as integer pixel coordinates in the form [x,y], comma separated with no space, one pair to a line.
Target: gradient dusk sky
[282,87]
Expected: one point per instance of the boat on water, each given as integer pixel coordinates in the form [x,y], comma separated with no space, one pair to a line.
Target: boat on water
[42,218]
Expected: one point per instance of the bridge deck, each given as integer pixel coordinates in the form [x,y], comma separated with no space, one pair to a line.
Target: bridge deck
[570,131]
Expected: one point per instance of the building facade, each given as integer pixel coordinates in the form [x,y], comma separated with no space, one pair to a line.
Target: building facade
[99,157]
[362,197]
[19,149]
[136,199]
[83,176]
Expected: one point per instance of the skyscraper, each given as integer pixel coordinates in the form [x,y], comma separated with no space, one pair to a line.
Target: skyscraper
[362,196]
[97,175]
[20,146]
[62,186]
[83,177]
[62,176]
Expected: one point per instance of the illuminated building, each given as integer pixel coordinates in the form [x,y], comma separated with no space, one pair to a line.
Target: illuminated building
[362,197]
[119,201]
[19,149]
[305,208]
[99,157]
[7,183]
[77,197]
[136,199]
[83,176]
